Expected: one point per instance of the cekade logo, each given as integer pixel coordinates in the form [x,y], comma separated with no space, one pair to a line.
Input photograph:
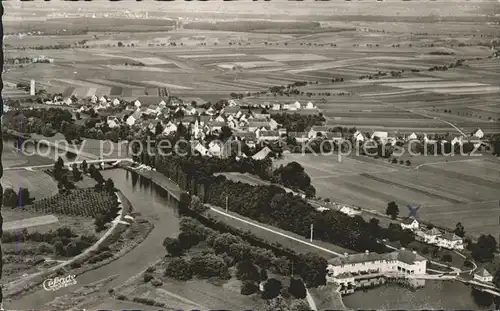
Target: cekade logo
[59,282]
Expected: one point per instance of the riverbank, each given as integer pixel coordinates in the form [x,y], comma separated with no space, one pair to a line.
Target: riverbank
[148,205]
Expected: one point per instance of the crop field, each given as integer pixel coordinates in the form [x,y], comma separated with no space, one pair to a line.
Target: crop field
[39,184]
[449,192]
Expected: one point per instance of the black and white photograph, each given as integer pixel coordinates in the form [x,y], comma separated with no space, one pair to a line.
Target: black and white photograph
[259,155]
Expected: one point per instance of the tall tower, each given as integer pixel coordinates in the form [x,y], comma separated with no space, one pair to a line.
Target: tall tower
[32,87]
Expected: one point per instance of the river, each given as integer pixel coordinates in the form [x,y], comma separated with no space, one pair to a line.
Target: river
[153,204]
[435,295]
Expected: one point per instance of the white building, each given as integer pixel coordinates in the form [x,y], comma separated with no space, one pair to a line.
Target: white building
[134,117]
[428,236]
[313,132]
[483,275]
[310,105]
[169,128]
[412,136]
[478,133]
[358,136]
[116,102]
[350,270]
[409,224]
[450,240]
[349,211]
[137,104]
[382,136]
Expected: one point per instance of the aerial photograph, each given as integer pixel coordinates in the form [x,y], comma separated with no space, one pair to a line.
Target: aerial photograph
[250,155]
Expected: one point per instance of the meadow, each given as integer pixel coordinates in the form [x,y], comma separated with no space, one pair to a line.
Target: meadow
[450,190]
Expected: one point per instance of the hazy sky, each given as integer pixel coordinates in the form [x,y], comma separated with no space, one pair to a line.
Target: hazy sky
[306,7]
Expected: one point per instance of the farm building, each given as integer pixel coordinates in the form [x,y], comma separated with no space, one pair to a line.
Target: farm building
[409,224]
[483,275]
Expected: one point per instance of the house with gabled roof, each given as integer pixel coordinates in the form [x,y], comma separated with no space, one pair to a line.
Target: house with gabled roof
[482,275]
[134,117]
[314,130]
[202,150]
[412,136]
[428,236]
[169,128]
[450,240]
[478,133]
[262,154]
[410,223]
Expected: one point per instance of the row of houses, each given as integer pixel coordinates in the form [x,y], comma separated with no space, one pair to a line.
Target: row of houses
[448,240]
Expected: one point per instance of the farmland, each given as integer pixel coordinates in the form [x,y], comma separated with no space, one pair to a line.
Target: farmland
[210,57]
[450,190]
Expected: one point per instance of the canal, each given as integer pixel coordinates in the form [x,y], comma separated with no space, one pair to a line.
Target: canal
[435,295]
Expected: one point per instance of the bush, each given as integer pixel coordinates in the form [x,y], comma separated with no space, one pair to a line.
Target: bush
[111,291]
[150,269]
[147,277]
[272,288]
[44,248]
[209,265]
[297,289]
[446,258]
[173,247]
[156,282]
[247,271]
[121,297]
[248,288]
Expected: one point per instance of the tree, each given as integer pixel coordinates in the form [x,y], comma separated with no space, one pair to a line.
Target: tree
[173,247]
[179,269]
[77,175]
[23,196]
[276,304]
[392,210]
[299,305]
[120,44]
[225,133]
[263,274]
[248,288]
[297,288]
[10,198]
[459,230]
[84,166]
[100,222]
[209,265]
[272,289]
[247,271]
[496,278]
[158,129]
[109,185]
[197,206]
[484,249]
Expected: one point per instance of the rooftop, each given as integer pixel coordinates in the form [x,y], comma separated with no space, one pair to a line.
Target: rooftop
[402,255]
[483,272]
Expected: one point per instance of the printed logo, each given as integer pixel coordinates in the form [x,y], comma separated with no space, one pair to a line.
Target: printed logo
[59,282]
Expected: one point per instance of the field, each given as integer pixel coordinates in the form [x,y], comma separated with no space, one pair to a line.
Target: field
[211,58]
[39,184]
[449,189]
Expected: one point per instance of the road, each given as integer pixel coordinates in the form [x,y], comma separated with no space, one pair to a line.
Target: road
[68,164]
